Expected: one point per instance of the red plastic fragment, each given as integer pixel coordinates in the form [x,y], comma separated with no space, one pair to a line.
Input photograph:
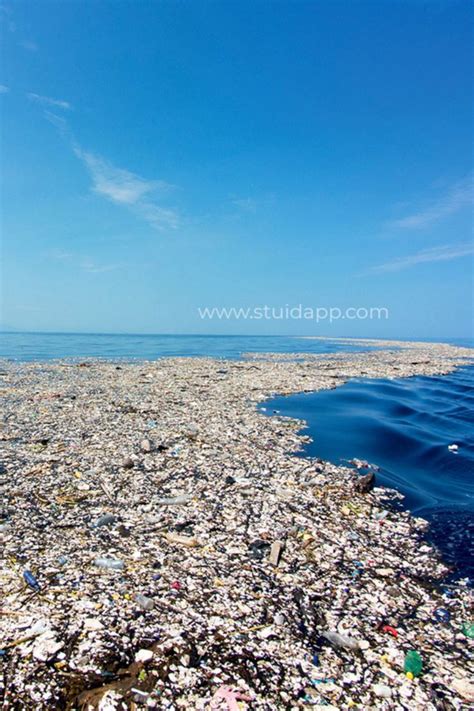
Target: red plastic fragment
[390,630]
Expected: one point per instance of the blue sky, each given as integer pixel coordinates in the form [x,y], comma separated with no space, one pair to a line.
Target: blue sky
[158,157]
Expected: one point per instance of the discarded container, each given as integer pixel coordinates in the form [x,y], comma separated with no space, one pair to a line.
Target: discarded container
[104,520]
[222,613]
[468,629]
[275,552]
[175,500]
[30,580]
[109,563]
[146,603]
[442,615]
[413,663]
[341,640]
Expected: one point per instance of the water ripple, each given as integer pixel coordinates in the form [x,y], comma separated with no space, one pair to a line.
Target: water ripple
[405,427]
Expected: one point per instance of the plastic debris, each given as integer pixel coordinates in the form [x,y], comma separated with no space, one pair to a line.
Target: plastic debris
[105,520]
[382,690]
[31,581]
[175,500]
[468,629]
[218,613]
[143,655]
[413,663]
[275,552]
[230,696]
[365,483]
[109,563]
[341,640]
[146,603]
[391,630]
[188,541]
[442,615]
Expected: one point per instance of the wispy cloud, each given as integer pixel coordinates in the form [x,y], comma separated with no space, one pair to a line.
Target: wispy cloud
[86,264]
[459,196]
[47,101]
[118,185]
[4,89]
[128,189]
[6,16]
[60,254]
[443,253]
[247,204]
[28,45]
[58,121]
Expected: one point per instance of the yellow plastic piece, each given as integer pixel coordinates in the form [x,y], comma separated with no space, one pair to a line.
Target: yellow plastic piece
[410,676]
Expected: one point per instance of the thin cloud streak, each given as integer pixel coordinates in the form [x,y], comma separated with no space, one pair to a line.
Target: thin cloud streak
[128,189]
[92,268]
[459,196]
[442,253]
[246,204]
[47,101]
[118,185]
[86,264]
[28,45]
[4,89]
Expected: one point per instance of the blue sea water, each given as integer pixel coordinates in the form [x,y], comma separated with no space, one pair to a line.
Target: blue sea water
[403,426]
[49,346]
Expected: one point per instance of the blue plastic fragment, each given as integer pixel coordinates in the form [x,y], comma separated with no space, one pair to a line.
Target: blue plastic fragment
[30,580]
[442,615]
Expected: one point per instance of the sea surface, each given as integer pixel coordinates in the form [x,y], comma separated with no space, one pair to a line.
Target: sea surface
[404,426]
[51,346]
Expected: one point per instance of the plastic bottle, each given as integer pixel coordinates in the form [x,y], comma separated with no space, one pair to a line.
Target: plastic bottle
[340,640]
[413,664]
[146,603]
[468,629]
[30,580]
[442,615]
[109,563]
[104,520]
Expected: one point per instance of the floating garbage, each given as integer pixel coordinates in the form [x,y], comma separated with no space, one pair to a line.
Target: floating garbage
[30,580]
[340,640]
[105,520]
[211,564]
[468,629]
[109,563]
[442,615]
[413,664]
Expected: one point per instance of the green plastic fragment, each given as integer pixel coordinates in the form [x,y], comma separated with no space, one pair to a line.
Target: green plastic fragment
[413,663]
[468,629]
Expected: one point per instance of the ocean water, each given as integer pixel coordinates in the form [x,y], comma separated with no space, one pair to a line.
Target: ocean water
[50,346]
[404,427]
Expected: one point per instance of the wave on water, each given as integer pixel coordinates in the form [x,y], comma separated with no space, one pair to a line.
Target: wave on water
[405,427]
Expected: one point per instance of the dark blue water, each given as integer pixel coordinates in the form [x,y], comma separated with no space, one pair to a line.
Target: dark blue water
[48,346]
[404,427]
